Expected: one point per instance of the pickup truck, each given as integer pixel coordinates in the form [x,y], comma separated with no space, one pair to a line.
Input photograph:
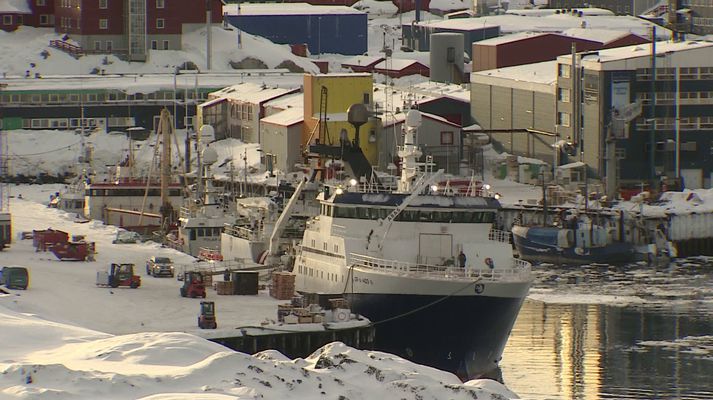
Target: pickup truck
[160,266]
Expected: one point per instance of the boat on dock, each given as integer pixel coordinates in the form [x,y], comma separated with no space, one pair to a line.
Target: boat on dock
[425,265]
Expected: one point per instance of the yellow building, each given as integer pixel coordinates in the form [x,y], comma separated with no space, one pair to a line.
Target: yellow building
[342,90]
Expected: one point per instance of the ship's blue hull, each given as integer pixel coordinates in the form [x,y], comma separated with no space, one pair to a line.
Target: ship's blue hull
[465,335]
[539,251]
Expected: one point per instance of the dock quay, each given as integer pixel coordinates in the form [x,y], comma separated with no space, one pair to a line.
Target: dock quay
[299,340]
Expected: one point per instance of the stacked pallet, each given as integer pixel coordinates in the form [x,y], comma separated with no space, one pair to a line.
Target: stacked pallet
[283,286]
[337,303]
[207,279]
[224,287]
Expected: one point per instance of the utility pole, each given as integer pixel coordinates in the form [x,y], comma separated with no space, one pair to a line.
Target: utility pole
[209,43]
[652,113]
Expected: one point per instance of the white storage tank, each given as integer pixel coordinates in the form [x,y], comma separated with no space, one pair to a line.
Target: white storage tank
[446,57]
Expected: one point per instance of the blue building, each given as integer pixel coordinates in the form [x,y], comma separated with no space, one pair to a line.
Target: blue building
[325,29]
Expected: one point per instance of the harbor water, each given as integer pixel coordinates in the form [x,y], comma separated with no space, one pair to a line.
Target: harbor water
[632,332]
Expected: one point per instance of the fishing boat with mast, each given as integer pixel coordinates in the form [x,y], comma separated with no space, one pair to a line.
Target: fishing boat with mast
[425,265]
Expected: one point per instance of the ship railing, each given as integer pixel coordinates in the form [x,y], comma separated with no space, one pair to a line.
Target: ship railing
[499,235]
[241,232]
[520,270]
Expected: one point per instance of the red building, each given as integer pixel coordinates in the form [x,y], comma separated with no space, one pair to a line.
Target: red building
[530,47]
[398,68]
[13,13]
[362,63]
[131,27]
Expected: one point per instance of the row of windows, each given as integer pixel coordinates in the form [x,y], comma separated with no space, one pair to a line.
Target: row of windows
[104,23]
[105,3]
[687,98]
[65,123]
[60,123]
[409,215]
[700,21]
[685,123]
[241,111]
[684,73]
[196,233]
[60,98]
[312,272]
[131,192]
[45,19]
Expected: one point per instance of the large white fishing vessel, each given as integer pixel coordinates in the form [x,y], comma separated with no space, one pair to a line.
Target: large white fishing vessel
[422,262]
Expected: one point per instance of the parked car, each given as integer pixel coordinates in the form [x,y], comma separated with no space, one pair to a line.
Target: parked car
[160,266]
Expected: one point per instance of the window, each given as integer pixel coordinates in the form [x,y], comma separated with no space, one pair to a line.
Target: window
[366,98]
[103,4]
[563,119]
[564,70]
[7,19]
[160,23]
[103,24]
[688,73]
[160,4]
[97,45]
[563,95]
[165,44]
[447,138]
[154,45]
[109,46]
[706,72]
[44,19]
[706,122]
[20,20]
[41,3]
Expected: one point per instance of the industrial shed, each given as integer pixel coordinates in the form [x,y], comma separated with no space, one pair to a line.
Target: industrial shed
[517,49]
[418,35]
[398,68]
[325,29]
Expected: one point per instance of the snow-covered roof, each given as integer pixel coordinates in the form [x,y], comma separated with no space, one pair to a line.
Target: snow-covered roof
[439,89]
[460,24]
[397,64]
[590,11]
[513,37]
[362,60]
[15,7]
[148,83]
[249,92]
[287,9]
[510,23]
[399,118]
[542,75]
[636,56]
[213,102]
[597,35]
[287,101]
[288,117]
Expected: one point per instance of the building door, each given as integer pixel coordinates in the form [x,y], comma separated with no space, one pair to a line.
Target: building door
[434,248]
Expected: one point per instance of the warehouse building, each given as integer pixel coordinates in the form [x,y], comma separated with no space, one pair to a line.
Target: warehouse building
[325,29]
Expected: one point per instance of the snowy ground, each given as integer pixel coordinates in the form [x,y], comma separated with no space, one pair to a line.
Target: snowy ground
[66,338]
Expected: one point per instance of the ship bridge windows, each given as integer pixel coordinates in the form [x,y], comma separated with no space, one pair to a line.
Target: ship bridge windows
[415,215]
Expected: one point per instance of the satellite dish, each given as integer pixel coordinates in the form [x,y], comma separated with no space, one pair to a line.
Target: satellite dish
[209,155]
